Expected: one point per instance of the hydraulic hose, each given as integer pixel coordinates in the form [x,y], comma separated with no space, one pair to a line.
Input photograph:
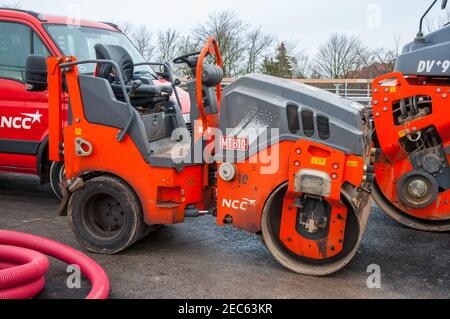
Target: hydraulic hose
[23,266]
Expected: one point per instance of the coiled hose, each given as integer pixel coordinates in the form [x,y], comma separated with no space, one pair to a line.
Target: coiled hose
[23,266]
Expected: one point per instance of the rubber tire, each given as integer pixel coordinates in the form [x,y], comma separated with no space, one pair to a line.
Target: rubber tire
[134,230]
[56,170]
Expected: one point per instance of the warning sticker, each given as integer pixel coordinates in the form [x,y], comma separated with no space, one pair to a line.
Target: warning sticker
[352,164]
[320,161]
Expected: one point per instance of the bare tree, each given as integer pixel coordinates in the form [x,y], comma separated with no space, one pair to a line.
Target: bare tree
[126,27]
[228,29]
[434,23]
[339,56]
[142,38]
[301,62]
[168,45]
[397,41]
[302,65]
[257,44]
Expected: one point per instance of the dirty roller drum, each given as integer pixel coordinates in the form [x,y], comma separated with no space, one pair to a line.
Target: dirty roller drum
[315,221]
[415,191]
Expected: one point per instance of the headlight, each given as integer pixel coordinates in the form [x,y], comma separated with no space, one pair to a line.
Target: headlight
[313,182]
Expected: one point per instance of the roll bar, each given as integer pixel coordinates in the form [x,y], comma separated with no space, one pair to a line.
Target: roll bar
[125,130]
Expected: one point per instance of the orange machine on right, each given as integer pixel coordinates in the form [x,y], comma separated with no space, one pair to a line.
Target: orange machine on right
[411,111]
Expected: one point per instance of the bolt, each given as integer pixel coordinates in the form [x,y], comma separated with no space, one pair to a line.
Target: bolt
[377,114]
[375,102]
[77,120]
[439,90]
[228,220]
[446,202]
[386,90]
[332,248]
[418,188]
[335,166]
[375,90]
[385,109]
[334,176]
[444,96]
[386,99]
[298,151]
[297,164]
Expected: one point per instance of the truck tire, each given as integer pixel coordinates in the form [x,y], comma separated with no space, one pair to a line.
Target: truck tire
[106,216]
[57,176]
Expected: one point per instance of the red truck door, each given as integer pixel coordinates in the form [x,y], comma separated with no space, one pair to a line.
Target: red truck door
[23,114]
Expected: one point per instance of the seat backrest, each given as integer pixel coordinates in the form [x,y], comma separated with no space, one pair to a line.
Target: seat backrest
[120,56]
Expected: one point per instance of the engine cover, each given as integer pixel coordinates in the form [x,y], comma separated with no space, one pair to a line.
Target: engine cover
[427,57]
[256,104]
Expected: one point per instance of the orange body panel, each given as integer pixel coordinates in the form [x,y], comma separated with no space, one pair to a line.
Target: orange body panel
[55,109]
[341,169]
[395,162]
[250,190]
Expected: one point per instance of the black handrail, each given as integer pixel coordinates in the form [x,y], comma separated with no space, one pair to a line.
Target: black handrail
[125,130]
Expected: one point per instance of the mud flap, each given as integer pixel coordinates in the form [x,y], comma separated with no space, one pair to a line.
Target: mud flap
[63,205]
[67,191]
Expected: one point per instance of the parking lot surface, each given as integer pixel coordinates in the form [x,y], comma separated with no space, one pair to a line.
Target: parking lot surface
[197,259]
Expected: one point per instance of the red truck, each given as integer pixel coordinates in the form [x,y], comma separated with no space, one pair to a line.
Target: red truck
[24,114]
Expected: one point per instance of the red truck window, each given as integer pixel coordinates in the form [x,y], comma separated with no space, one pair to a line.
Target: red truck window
[15,46]
[17,41]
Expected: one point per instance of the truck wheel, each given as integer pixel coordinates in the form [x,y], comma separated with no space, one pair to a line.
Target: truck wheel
[106,216]
[57,176]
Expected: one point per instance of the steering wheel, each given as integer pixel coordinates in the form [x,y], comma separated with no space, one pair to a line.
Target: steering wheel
[190,59]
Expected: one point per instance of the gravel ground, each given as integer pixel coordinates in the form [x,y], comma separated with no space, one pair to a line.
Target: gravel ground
[197,259]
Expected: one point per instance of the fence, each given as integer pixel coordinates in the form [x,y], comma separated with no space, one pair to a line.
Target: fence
[359,90]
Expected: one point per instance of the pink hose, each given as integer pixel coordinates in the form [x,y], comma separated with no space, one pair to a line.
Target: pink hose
[23,266]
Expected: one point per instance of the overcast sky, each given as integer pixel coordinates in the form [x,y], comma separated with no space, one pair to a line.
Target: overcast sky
[307,22]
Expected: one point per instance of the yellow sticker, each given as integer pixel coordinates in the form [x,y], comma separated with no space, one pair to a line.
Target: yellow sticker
[78,131]
[352,164]
[393,89]
[319,161]
[402,133]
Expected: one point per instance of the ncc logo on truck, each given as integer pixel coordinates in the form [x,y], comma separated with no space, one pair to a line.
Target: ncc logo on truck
[23,122]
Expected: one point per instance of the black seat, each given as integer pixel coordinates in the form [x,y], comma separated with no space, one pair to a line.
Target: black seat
[143,95]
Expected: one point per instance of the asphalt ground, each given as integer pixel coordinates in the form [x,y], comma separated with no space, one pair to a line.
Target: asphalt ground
[197,259]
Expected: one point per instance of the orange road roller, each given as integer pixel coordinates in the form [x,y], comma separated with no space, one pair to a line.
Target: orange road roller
[268,156]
